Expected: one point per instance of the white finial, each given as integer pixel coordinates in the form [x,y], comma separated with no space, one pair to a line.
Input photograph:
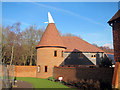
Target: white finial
[50,19]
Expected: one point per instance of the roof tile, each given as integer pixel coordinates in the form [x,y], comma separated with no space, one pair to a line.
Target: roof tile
[51,37]
[77,43]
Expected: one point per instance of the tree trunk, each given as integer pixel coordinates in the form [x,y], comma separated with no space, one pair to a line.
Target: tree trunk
[31,60]
[3,57]
[12,55]
[31,57]
[25,60]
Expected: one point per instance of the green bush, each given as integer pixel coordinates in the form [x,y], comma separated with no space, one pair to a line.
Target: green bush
[51,78]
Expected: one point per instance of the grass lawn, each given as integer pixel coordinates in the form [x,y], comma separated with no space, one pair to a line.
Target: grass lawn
[42,83]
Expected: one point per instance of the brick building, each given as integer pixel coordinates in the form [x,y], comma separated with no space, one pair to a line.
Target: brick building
[56,50]
[114,22]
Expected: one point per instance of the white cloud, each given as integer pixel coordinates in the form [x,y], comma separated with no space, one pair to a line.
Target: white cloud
[108,45]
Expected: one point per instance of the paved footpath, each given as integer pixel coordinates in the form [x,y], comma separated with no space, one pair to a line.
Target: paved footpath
[22,85]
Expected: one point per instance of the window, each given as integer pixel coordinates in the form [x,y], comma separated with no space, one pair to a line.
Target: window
[38,68]
[93,56]
[55,53]
[62,53]
[45,68]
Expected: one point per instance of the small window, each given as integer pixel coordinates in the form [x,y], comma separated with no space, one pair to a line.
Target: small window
[55,53]
[38,68]
[45,68]
[91,55]
[62,53]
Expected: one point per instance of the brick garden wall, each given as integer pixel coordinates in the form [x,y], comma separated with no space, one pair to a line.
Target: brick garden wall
[78,73]
[25,71]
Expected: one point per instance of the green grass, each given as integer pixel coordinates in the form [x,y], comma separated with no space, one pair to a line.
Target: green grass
[42,83]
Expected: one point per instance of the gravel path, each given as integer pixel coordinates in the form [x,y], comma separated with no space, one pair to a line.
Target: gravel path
[22,85]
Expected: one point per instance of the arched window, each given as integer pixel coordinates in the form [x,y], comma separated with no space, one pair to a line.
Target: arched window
[55,53]
[91,55]
[38,68]
[46,69]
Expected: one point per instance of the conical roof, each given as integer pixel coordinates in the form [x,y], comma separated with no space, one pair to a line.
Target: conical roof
[51,37]
[115,17]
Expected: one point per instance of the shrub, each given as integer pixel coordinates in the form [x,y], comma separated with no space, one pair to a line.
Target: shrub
[63,82]
[51,78]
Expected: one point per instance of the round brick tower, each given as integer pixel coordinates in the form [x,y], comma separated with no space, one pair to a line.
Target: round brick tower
[50,50]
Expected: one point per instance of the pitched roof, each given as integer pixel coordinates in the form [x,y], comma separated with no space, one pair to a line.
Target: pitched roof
[73,43]
[116,16]
[51,37]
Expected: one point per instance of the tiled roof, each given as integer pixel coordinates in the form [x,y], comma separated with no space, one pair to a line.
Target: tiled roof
[116,16]
[51,37]
[73,43]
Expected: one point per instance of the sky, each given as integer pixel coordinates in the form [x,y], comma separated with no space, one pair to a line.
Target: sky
[85,19]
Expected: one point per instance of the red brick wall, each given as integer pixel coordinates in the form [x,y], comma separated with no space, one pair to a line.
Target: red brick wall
[116,74]
[45,57]
[72,73]
[25,71]
[116,40]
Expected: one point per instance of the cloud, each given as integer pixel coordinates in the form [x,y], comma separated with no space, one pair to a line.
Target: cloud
[102,43]
[108,45]
[68,12]
[45,22]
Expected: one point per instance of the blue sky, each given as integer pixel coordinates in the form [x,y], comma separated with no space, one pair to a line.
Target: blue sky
[85,19]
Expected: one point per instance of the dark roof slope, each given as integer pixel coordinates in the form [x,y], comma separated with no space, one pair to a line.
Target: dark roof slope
[51,37]
[73,43]
[116,16]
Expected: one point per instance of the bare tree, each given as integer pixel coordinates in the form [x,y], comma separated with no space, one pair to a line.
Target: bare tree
[70,35]
[19,48]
